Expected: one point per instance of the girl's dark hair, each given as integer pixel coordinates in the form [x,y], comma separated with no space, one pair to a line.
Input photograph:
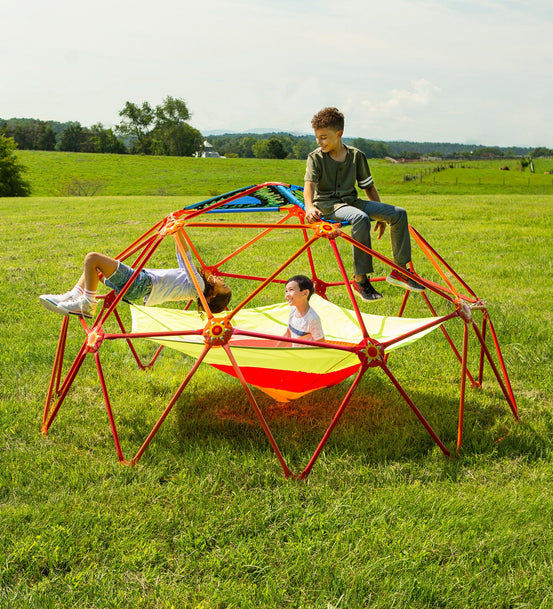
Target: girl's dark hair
[217,301]
[220,301]
[304,283]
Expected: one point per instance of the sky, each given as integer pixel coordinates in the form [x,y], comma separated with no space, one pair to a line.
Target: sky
[470,72]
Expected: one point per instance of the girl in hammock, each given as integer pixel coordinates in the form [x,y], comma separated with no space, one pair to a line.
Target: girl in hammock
[151,286]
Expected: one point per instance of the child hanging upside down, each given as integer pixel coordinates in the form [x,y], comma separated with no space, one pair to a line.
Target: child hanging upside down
[303,321]
[151,286]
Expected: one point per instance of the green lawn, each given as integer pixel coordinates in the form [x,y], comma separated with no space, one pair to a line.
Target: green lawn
[62,173]
[54,173]
[207,519]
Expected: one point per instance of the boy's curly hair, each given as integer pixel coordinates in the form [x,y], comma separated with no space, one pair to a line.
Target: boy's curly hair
[328,118]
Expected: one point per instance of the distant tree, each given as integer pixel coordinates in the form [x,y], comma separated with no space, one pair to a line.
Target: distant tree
[23,135]
[176,140]
[287,142]
[270,148]
[105,140]
[372,150]
[489,151]
[12,183]
[541,151]
[137,123]
[245,147]
[303,147]
[172,134]
[276,149]
[30,134]
[172,112]
[73,138]
[162,130]
[261,149]
[409,154]
[45,137]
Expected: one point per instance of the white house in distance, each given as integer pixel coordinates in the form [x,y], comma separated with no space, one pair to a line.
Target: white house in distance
[209,152]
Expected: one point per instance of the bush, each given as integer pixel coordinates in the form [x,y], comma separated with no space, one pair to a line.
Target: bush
[81,187]
[12,183]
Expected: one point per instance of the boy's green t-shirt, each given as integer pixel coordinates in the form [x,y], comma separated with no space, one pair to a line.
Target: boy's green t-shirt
[336,182]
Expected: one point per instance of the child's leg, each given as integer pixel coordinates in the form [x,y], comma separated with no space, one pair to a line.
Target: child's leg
[360,231]
[81,300]
[94,264]
[85,303]
[396,217]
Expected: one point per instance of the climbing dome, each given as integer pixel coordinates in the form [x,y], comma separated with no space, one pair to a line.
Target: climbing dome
[243,341]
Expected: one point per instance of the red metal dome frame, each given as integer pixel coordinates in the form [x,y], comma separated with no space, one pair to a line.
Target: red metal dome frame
[218,331]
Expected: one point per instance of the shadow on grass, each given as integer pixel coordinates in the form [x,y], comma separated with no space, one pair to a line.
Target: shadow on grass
[377,425]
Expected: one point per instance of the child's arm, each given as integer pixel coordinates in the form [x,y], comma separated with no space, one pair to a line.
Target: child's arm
[307,336]
[310,336]
[312,214]
[182,241]
[372,195]
[316,332]
[284,343]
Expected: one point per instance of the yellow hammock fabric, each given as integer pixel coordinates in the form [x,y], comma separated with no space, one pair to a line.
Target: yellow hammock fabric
[284,373]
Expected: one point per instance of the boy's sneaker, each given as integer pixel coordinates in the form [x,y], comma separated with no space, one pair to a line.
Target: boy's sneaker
[79,306]
[366,291]
[402,281]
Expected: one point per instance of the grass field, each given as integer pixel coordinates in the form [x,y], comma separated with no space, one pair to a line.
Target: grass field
[207,519]
[57,173]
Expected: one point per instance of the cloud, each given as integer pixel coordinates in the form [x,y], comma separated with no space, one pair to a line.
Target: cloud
[401,101]
[393,111]
[448,70]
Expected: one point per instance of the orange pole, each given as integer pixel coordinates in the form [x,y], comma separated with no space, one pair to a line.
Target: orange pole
[53,387]
[271,277]
[333,423]
[258,412]
[192,276]
[462,388]
[169,406]
[349,290]
[505,387]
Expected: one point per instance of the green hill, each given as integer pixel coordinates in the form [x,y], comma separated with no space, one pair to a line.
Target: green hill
[70,173]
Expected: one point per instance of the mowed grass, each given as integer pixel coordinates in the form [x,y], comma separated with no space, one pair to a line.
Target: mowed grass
[57,173]
[51,173]
[206,519]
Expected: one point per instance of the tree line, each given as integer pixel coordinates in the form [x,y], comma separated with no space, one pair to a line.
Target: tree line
[34,134]
[288,146]
[143,129]
[282,146]
[165,130]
